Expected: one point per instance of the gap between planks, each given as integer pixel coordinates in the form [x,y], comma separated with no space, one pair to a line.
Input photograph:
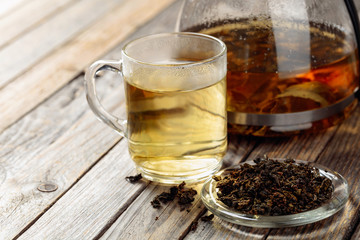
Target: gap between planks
[93,200]
[119,212]
[355,235]
[196,221]
[63,193]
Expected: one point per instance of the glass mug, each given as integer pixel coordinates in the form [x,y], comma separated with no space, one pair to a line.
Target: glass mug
[175,88]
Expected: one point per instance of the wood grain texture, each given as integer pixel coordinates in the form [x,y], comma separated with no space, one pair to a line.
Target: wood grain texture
[42,40]
[54,71]
[219,229]
[7,7]
[28,16]
[58,142]
[305,147]
[101,195]
[238,149]
[38,130]
[139,220]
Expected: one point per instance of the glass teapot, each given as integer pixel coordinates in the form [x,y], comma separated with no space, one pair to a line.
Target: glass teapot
[292,64]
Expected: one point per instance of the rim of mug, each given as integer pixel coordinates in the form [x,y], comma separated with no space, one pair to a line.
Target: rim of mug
[199,35]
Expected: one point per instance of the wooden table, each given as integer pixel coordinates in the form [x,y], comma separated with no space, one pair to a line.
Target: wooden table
[51,141]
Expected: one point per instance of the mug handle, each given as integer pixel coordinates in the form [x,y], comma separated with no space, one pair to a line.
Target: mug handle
[118,124]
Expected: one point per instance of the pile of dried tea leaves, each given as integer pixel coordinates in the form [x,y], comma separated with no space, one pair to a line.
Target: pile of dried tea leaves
[184,196]
[272,187]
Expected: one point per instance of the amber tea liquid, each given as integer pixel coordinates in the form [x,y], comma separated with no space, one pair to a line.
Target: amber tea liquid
[279,68]
[176,131]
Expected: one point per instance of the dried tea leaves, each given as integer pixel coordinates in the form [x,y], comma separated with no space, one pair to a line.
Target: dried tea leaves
[184,196]
[272,187]
[207,218]
[133,179]
[164,197]
[194,224]
[155,203]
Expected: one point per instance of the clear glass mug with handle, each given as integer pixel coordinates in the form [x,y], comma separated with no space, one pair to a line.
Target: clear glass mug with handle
[175,91]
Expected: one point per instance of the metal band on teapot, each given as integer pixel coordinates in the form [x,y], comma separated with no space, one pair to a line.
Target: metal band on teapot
[283,119]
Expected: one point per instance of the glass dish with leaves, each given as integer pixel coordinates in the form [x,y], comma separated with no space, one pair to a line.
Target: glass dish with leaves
[275,193]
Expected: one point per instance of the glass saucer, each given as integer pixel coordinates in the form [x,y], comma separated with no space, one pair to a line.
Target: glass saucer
[337,202]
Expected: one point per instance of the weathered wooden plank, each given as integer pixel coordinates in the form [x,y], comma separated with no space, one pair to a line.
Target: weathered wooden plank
[39,129]
[306,147]
[238,149]
[58,142]
[141,221]
[53,33]
[93,202]
[357,5]
[8,6]
[27,16]
[342,154]
[54,71]
[223,230]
